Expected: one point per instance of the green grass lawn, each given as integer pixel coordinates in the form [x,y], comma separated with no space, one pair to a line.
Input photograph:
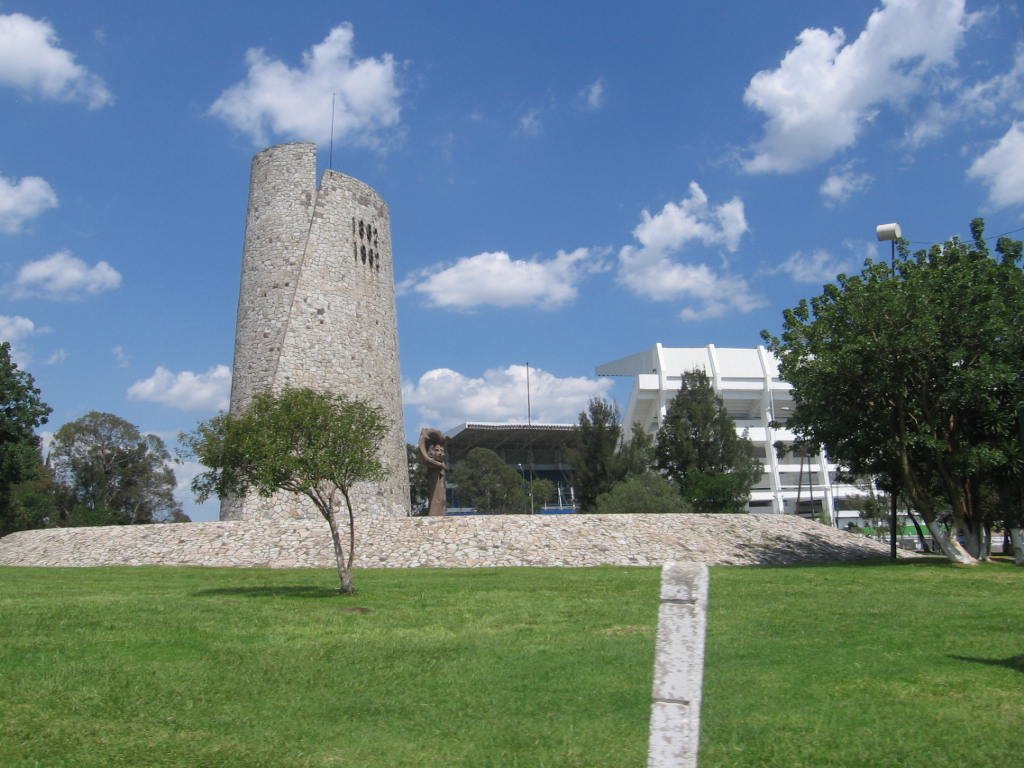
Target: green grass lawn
[917,664]
[853,665]
[220,667]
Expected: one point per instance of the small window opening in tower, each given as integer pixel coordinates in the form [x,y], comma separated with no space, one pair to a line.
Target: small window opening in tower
[360,229]
[362,250]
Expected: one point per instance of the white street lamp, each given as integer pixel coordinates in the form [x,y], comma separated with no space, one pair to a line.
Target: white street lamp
[892,233]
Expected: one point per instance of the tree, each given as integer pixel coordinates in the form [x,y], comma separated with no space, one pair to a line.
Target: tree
[598,455]
[591,451]
[646,493]
[542,490]
[699,450]
[482,480]
[111,473]
[914,373]
[636,455]
[311,443]
[22,410]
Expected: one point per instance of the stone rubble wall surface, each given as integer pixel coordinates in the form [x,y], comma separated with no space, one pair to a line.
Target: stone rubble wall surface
[450,542]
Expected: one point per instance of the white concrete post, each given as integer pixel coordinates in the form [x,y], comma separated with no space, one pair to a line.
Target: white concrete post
[679,666]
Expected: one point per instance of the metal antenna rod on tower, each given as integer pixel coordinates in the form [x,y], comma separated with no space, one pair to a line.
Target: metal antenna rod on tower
[529,415]
[330,163]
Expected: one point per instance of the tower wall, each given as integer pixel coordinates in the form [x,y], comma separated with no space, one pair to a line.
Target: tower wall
[317,309]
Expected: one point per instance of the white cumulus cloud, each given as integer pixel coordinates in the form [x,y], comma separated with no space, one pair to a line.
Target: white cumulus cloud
[815,267]
[13,329]
[495,279]
[16,328]
[62,276]
[530,123]
[824,92]
[32,61]
[843,183]
[446,398]
[978,103]
[651,270]
[23,200]
[1001,168]
[186,390]
[295,102]
[592,96]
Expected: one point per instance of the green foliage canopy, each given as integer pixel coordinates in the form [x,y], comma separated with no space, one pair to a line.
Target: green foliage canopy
[482,480]
[699,450]
[22,410]
[592,449]
[915,374]
[647,493]
[311,443]
[595,453]
[111,474]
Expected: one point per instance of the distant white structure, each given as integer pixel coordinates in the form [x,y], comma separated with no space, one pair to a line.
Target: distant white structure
[748,382]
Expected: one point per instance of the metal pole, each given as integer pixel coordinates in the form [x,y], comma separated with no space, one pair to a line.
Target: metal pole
[529,423]
[893,499]
[330,163]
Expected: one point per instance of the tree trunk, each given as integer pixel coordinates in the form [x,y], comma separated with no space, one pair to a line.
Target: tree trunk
[351,534]
[1017,537]
[985,551]
[344,570]
[949,545]
[972,542]
[920,533]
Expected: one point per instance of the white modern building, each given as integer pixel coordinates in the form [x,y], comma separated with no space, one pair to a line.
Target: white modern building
[748,382]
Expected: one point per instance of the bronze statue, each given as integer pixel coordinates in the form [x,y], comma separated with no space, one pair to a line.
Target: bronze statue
[432,452]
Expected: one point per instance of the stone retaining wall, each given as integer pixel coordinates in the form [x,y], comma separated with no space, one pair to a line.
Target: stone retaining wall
[452,542]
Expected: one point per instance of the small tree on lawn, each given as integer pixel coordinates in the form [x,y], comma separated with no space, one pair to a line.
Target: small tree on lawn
[311,443]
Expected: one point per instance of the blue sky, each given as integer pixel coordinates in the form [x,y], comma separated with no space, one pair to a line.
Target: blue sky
[569,183]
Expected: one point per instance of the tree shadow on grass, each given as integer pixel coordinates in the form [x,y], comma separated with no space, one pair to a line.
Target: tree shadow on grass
[1016,663]
[284,591]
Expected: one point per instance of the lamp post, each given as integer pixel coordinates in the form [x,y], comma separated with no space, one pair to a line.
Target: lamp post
[892,233]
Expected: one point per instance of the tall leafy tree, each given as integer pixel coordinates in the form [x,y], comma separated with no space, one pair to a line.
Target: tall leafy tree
[592,449]
[112,474]
[599,456]
[482,480]
[311,443]
[22,410]
[914,373]
[698,449]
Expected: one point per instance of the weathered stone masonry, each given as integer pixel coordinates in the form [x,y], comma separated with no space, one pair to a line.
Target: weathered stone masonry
[316,309]
[453,542]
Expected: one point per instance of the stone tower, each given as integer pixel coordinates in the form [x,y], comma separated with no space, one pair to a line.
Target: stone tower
[317,309]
